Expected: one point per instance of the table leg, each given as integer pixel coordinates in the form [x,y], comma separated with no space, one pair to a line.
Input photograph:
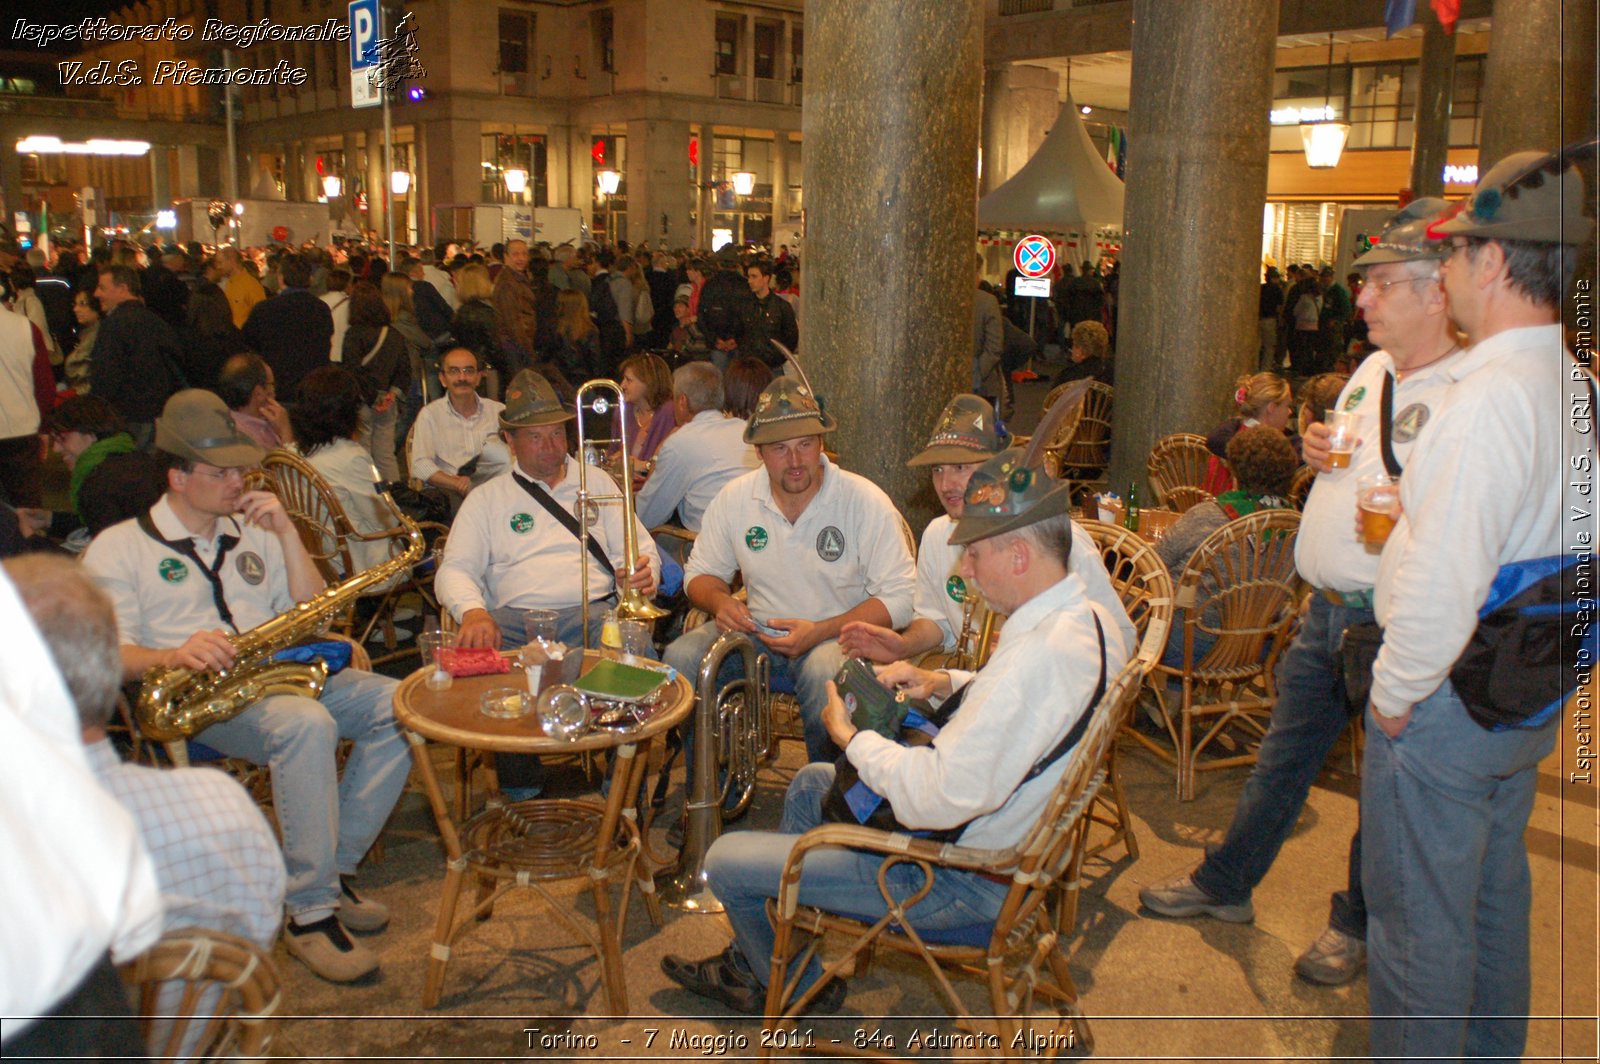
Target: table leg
[454,869]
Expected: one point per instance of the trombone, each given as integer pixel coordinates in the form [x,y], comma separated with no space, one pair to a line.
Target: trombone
[631,603]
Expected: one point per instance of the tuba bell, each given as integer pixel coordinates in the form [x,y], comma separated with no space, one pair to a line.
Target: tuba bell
[632,605]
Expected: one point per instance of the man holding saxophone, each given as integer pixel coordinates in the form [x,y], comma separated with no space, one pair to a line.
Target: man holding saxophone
[210,561]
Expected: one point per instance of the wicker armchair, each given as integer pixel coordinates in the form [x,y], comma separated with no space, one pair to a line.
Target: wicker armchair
[1145,586]
[1240,588]
[204,995]
[1021,956]
[1300,486]
[1177,468]
[1081,448]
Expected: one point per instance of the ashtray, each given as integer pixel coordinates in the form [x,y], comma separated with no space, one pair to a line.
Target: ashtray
[505,703]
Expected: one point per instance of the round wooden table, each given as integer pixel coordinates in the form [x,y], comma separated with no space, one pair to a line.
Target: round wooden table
[526,845]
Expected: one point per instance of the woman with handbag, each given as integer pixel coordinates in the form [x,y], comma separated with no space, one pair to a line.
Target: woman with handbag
[377,354]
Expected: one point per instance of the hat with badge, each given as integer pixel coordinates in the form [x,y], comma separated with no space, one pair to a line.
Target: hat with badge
[530,401]
[787,410]
[1406,236]
[196,424]
[1536,197]
[1013,490]
[966,432]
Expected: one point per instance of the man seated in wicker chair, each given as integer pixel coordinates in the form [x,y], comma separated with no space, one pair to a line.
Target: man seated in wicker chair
[987,773]
[207,564]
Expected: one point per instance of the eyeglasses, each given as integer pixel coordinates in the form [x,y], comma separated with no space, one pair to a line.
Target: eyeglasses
[1459,244]
[460,371]
[1382,287]
[221,474]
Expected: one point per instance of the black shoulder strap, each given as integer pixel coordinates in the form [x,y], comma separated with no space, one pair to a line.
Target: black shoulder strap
[1072,737]
[212,572]
[568,522]
[1386,425]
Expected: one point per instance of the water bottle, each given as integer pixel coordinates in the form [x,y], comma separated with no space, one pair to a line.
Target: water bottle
[1130,519]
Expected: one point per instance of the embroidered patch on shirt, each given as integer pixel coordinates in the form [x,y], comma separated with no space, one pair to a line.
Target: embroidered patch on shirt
[830,544]
[1353,400]
[173,571]
[956,588]
[1409,422]
[251,567]
[522,523]
[755,537]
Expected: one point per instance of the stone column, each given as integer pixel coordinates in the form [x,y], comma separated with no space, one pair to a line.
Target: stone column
[160,177]
[1522,80]
[1430,143]
[580,171]
[658,190]
[1578,72]
[452,165]
[1197,179]
[557,163]
[891,136]
[994,115]
[780,180]
[188,171]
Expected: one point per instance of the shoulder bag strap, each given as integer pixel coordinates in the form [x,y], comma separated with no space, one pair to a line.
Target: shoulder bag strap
[1072,737]
[1386,425]
[568,522]
[383,334]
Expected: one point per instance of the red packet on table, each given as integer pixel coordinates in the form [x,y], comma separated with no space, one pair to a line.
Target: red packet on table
[474,661]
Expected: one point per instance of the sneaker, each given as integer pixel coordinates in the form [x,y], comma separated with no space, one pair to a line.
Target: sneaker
[725,978]
[1333,959]
[329,952]
[1179,896]
[357,913]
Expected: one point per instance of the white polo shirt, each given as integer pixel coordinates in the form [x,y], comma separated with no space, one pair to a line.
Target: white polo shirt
[162,599]
[444,441]
[848,546]
[942,592]
[507,550]
[692,465]
[1328,552]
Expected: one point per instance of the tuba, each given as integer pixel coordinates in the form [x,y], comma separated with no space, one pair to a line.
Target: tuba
[733,730]
[972,646]
[632,605]
[176,703]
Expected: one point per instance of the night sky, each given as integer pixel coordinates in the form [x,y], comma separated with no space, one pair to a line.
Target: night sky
[51,11]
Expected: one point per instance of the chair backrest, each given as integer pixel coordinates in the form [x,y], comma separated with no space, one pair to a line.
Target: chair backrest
[1140,579]
[205,995]
[1045,855]
[323,525]
[1241,586]
[1300,486]
[1083,441]
[1179,461]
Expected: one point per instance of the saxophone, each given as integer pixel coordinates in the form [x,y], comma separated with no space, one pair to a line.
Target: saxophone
[176,703]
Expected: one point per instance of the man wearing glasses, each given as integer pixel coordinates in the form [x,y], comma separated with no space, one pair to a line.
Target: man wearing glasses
[211,560]
[455,445]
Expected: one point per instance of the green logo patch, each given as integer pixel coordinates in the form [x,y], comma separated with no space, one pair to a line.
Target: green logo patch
[956,588]
[1353,400]
[755,538]
[173,571]
[522,523]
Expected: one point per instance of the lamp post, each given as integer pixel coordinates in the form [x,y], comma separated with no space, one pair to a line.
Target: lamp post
[1323,140]
[609,181]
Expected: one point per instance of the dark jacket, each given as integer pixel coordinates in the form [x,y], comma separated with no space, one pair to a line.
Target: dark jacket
[293,331]
[122,486]
[165,293]
[389,368]
[201,354]
[773,320]
[134,366]
[433,313]
[475,329]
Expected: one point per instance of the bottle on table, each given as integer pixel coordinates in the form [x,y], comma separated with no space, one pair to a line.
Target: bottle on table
[1130,519]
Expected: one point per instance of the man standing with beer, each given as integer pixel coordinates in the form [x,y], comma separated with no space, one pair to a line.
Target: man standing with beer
[1451,764]
[1405,309]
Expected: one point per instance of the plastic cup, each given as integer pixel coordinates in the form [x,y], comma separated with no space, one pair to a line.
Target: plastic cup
[1342,426]
[636,641]
[1378,498]
[435,647]
[505,703]
[538,626]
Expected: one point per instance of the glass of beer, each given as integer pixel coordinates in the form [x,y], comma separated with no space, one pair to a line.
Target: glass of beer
[1342,426]
[1378,498]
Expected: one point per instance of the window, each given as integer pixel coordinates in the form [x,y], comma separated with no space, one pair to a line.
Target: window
[604,41]
[516,35]
[797,41]
[1466,102]
[727,44]
[768,38]
[524,151]
[1383,105]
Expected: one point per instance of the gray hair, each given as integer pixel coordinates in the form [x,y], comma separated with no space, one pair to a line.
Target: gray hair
[78,625]
[1052,536]
[701,384]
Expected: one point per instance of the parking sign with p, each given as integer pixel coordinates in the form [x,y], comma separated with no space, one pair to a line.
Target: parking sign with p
[364,30]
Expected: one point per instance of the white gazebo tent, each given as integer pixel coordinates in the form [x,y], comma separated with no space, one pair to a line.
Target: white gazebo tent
[1065,190]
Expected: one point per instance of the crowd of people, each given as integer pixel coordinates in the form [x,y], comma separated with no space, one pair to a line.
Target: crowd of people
[194,370]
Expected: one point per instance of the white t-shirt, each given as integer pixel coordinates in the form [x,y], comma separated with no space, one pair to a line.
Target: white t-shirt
[507,550]
[1327,551]
[849,545]
[160,597]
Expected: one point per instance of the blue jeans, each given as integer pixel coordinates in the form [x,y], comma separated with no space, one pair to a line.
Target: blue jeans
[806,675]
[1307,720]
[1444,809]
[744,869]
[329,822]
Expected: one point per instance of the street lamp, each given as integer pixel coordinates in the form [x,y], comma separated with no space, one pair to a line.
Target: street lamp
[399,182]
[744,183]
[332,187]
[1323,140]
[609,181]
[516,180]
